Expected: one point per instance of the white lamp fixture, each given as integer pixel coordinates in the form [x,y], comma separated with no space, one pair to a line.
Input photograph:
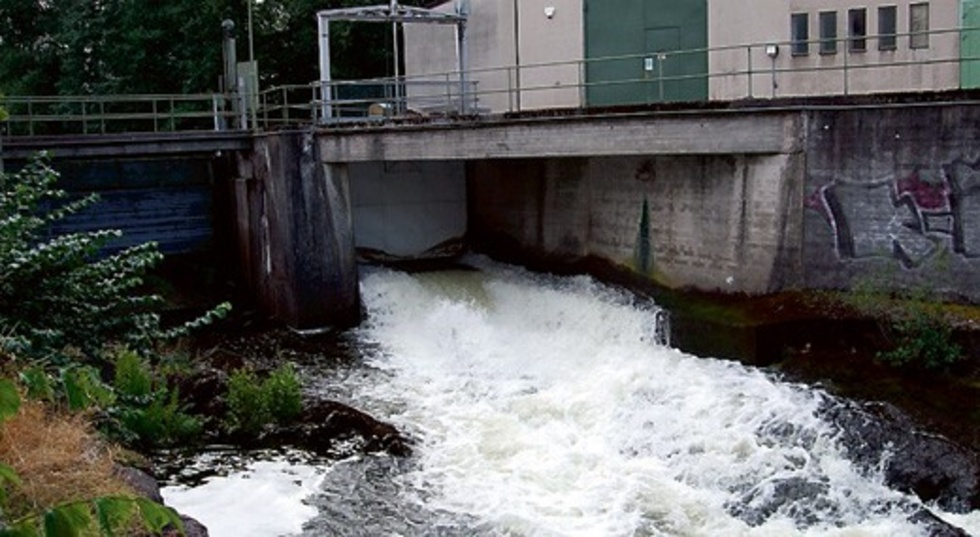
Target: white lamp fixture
[549,12]
[772,50]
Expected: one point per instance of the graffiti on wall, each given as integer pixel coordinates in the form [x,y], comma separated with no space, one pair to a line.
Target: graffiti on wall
[910,219]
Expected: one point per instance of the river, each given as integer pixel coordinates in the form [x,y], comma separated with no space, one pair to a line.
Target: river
[548,406]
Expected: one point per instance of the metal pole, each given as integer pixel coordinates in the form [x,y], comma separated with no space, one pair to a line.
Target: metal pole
[461,48]
[251,41]
[324,31]
[393,9]
[252,85]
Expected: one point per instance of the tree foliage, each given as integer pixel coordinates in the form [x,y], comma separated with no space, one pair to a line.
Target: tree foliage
[58,293]
[79,47]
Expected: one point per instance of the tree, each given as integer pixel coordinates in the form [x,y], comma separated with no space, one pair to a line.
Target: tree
[60,293]
[79,47]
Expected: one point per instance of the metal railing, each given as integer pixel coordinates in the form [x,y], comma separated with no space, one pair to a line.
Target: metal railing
[886,63]
[116,114]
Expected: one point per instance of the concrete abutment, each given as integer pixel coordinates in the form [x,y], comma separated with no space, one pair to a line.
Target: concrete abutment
[294,232]
[827,198]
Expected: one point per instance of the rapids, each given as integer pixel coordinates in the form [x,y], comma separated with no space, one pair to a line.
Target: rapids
[546,406]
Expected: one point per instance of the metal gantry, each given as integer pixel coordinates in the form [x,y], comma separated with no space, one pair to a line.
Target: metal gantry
[395,14]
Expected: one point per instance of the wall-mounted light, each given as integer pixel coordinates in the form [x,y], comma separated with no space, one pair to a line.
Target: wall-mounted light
[772,50]
[549,12]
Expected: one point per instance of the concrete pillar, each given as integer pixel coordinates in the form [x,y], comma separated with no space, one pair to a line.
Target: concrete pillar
[301,240]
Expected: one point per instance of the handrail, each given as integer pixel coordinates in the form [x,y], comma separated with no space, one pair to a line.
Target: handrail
[723,73]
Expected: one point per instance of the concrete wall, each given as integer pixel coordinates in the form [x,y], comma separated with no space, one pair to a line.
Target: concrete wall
[727,223]
[734,24]
[500,35]
[408,209]
[294,231]
[893,197]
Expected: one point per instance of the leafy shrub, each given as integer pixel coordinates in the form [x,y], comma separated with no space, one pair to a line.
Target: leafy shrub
[922,341]
[912,322]
[58,292]
[255,403]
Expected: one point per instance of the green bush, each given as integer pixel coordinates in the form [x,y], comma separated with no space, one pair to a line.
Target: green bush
[913,323]
[254,403]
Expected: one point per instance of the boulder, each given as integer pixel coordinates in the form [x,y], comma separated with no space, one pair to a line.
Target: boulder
[878,435]
[336,430]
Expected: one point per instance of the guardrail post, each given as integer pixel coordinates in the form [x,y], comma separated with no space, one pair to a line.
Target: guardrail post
[156,128]
[285,105]
[30,116]
[84,116]
[101,115]
[313,103]
[449,94]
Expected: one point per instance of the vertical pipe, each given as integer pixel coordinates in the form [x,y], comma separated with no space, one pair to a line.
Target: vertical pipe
[748,51]
[461,48]
[517,53]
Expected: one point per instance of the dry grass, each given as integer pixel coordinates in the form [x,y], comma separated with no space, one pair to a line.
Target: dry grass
[58,458]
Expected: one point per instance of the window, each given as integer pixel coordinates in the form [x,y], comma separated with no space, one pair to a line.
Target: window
[918,25]
[800,32]
[857,29]
[828,32]
[887,26]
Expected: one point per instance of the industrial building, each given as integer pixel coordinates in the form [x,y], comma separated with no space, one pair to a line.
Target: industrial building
[530,54]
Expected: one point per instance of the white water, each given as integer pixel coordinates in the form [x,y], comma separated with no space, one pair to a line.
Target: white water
[545,407]
[261,498]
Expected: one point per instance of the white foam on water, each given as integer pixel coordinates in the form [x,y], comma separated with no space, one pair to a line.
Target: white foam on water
[265,498]
[544,406]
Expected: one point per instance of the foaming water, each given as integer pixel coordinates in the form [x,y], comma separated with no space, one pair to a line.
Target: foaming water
[248,495]
[545,406]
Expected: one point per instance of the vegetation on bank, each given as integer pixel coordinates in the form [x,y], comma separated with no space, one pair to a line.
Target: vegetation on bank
[85,358]
[915,325]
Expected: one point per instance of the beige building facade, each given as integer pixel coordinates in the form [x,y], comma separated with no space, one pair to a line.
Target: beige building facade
[522,54]
[532,54]
[832,47]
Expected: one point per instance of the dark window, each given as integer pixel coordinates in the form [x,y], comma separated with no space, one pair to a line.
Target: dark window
[828,32]
[857,29]
[800,32]
[887,26]
[919,25]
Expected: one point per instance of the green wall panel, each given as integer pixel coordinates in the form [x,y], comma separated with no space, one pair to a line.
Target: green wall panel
[970,45]
[641,29]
